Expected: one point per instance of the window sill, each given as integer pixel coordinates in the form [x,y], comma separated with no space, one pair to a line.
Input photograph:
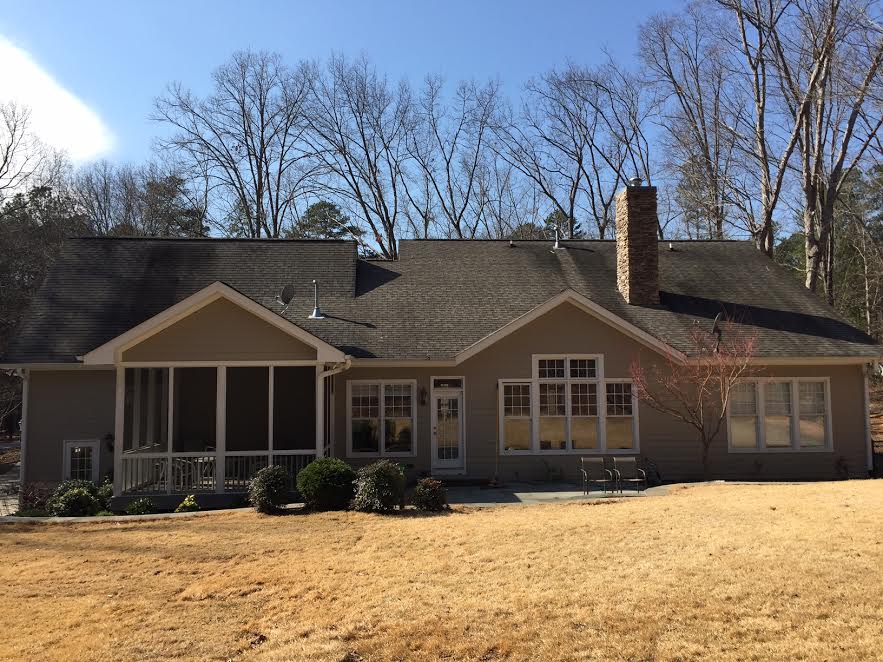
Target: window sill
[575,452]
[768,451]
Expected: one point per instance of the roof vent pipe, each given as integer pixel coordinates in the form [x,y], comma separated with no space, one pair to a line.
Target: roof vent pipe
[557,237]
[317,313]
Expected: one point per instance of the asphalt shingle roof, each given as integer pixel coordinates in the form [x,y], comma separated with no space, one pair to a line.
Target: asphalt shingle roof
[436,300]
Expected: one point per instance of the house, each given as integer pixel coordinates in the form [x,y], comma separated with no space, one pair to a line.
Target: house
[183,366]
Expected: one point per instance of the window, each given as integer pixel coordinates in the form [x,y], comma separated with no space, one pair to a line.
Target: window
[386,406]
[566,408]
[620,423]
[813,418]
[584,415]
[743,415]
[516,433]
[553,416]
[81,460]
[779,415]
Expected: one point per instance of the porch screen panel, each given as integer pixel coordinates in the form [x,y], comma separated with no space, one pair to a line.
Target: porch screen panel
[146,410]
[294,408]
[248,408]
[194,411]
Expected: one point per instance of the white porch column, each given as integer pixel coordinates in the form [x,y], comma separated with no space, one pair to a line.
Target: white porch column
[23,427]
[119,430]
[320,412]
[221,430]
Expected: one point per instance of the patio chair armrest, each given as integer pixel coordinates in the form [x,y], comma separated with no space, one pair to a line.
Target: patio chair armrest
[643,473]
[616,474]
[609,474]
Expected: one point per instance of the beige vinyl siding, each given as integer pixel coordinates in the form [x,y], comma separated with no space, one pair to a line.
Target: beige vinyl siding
[220,331]
[672,445]
[67,405]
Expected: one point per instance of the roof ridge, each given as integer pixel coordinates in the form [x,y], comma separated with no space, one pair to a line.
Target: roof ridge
[267,240]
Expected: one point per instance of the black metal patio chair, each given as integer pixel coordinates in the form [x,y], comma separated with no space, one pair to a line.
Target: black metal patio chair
[594,471]
[626,470]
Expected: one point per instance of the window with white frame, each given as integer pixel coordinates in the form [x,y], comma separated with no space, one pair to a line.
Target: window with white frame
[381,415]
[517,419]
[81,460]
[779,415]
[620,416]
[565,407]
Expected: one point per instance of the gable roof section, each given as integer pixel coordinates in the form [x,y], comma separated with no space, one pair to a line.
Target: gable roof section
[111,351]
[584,304]
[440,300]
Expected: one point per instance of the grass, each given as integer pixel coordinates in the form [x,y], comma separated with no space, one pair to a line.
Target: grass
[720,572]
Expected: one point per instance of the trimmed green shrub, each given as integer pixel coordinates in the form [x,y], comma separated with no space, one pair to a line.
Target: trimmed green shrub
[188,505]
[104,493]
[269,489]
[430,495]
[380,487]
[105,513]
[74,498]
[142,506]
[326,484]
[75,502]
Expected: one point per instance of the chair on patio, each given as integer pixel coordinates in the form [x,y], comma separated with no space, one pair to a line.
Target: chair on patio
[626,470]
[594,471]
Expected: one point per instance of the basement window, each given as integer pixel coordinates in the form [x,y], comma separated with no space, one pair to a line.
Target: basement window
[780,415]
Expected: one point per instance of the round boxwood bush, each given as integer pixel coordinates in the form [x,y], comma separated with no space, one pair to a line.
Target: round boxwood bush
[188,505]
[269,489]
[380,487]
[75,498]
[142,506]
[76,502]
[430,495]
[326,484]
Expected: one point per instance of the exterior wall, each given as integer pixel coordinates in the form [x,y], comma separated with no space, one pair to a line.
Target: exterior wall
[220,331]
[671,444]
[65,406]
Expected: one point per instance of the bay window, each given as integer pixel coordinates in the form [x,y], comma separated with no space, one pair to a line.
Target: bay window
[381,417]
[779,415]
[567,407]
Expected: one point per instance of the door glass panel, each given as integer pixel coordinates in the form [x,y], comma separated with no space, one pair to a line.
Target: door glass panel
[447,411]
[80,462]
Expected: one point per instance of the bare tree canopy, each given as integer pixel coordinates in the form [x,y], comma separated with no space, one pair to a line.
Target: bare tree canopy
[247,137]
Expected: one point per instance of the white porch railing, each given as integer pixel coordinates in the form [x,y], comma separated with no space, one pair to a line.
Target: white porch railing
[149,473]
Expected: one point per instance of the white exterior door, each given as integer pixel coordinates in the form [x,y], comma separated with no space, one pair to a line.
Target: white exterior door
[448,448]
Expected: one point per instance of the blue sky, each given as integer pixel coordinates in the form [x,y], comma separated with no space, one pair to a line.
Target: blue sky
[113,58]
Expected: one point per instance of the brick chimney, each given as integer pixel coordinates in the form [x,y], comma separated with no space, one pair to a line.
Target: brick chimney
[637,257]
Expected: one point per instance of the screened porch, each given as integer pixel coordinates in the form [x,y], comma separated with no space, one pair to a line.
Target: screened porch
[209,429]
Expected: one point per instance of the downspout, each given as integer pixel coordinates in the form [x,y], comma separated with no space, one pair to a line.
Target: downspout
[23,430]
[320,399]
[869,369]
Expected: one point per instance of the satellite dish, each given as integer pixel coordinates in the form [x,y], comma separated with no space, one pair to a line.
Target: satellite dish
[285,296]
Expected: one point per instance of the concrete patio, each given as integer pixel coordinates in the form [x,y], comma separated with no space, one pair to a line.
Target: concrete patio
[533,493]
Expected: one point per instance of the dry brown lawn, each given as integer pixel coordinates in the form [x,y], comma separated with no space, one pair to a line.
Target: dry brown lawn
[721,572]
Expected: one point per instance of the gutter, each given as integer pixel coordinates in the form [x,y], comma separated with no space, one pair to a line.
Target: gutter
[23,429]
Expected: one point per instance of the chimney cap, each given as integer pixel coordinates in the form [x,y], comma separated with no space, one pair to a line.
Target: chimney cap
[635,181]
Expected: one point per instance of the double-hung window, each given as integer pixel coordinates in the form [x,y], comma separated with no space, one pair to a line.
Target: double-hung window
[381,417]
[81,460]
[564,408]
[779,415]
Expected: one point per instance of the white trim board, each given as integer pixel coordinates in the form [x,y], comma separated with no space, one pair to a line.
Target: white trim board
[111,351]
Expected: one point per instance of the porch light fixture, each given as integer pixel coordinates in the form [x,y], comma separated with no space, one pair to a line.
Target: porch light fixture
[317,313]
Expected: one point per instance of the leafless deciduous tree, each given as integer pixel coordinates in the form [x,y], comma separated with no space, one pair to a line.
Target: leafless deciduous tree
[684,59]
[358,130]
[448,149]
[24,159]
[697,392]
[247,137]
[828,56]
